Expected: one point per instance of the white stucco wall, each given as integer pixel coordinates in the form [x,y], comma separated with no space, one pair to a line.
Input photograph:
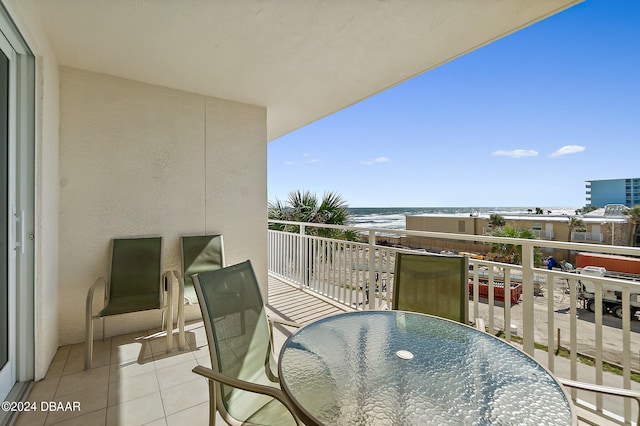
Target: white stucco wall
[139,160]
[46,183]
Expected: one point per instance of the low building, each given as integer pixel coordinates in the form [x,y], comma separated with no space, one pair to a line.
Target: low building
[606,226]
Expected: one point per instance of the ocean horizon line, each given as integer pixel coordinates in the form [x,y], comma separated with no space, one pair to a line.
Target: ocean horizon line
[462,207]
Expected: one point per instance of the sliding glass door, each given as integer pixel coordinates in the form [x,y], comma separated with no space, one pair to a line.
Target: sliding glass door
[7,275]
[16,209]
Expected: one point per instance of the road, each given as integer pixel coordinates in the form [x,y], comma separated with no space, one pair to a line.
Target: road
[586,330]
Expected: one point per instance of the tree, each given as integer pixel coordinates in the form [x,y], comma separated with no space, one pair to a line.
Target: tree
[574,223]
[634,218]
[512,253]
[496,221]
[303,206]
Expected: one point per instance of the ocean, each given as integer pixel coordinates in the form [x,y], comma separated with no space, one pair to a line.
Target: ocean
[394,217]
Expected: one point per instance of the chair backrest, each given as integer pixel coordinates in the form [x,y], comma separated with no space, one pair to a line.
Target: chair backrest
[432,284]
[200,254]
[135,278]
[238,335]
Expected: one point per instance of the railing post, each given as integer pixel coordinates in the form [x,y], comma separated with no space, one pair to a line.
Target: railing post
[626,350]
[476,290]
[302,258]
[527,298]
[372,272]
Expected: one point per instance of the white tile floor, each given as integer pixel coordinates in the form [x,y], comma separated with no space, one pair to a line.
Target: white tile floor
[135,382]
[125,388]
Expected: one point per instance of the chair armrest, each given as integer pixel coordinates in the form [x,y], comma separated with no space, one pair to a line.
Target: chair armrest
[248,386]
[273,320]
[625,393]
[92,290]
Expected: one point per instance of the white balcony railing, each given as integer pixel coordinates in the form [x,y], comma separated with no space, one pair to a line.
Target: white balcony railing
[594,237]
[343,271]
[546,234]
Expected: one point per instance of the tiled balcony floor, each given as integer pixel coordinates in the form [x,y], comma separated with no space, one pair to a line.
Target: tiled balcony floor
[135,382]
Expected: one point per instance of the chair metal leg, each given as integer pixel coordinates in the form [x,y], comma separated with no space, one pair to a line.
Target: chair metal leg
[169,313]
[88,341]
[88,326]
[212,402]
[181,337]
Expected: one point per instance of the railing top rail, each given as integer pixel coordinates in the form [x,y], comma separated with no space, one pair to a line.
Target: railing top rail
[596,248]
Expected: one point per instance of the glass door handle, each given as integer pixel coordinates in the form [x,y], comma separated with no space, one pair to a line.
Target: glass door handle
[18,220]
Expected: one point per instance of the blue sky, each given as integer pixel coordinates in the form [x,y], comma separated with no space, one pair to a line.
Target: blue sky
[524,121]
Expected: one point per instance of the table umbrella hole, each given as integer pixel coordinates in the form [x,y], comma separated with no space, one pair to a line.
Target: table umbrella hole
[404,355]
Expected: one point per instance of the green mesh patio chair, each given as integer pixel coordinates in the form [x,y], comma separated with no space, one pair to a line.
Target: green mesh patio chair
[135,283]
[243,383]
[432,284]
[199,254]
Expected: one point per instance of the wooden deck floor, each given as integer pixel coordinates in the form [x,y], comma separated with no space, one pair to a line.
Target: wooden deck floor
[293,304]
[289,302]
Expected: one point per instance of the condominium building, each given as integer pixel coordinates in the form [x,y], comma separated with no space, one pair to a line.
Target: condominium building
[613,191]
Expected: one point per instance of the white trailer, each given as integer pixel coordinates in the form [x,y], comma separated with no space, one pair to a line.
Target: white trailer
[611,294]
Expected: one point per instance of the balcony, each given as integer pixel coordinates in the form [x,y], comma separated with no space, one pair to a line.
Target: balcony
[135,382]
[545,234]
[583,236]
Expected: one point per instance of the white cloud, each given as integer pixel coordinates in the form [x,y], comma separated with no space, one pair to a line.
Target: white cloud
[516,153]
[567,150]
[374,161]
[305,160]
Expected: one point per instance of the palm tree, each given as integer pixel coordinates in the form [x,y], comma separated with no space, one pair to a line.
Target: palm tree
[577,224]
[634,218]
[303,206]
[574,223]
[496,221]
[512,253]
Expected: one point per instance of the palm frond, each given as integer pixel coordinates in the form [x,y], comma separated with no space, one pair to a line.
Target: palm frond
[303,206]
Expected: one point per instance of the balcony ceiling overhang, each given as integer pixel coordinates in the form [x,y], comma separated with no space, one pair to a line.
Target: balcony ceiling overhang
[302,60]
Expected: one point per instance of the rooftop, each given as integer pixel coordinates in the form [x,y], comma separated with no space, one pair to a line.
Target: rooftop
[612,212]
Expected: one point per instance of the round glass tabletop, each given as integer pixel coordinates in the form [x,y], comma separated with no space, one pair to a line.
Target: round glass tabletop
[394,367]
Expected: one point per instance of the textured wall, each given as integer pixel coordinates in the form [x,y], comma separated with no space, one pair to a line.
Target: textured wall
[142,160]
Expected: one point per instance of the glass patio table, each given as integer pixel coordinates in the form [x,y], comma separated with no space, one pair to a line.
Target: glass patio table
[403,368]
